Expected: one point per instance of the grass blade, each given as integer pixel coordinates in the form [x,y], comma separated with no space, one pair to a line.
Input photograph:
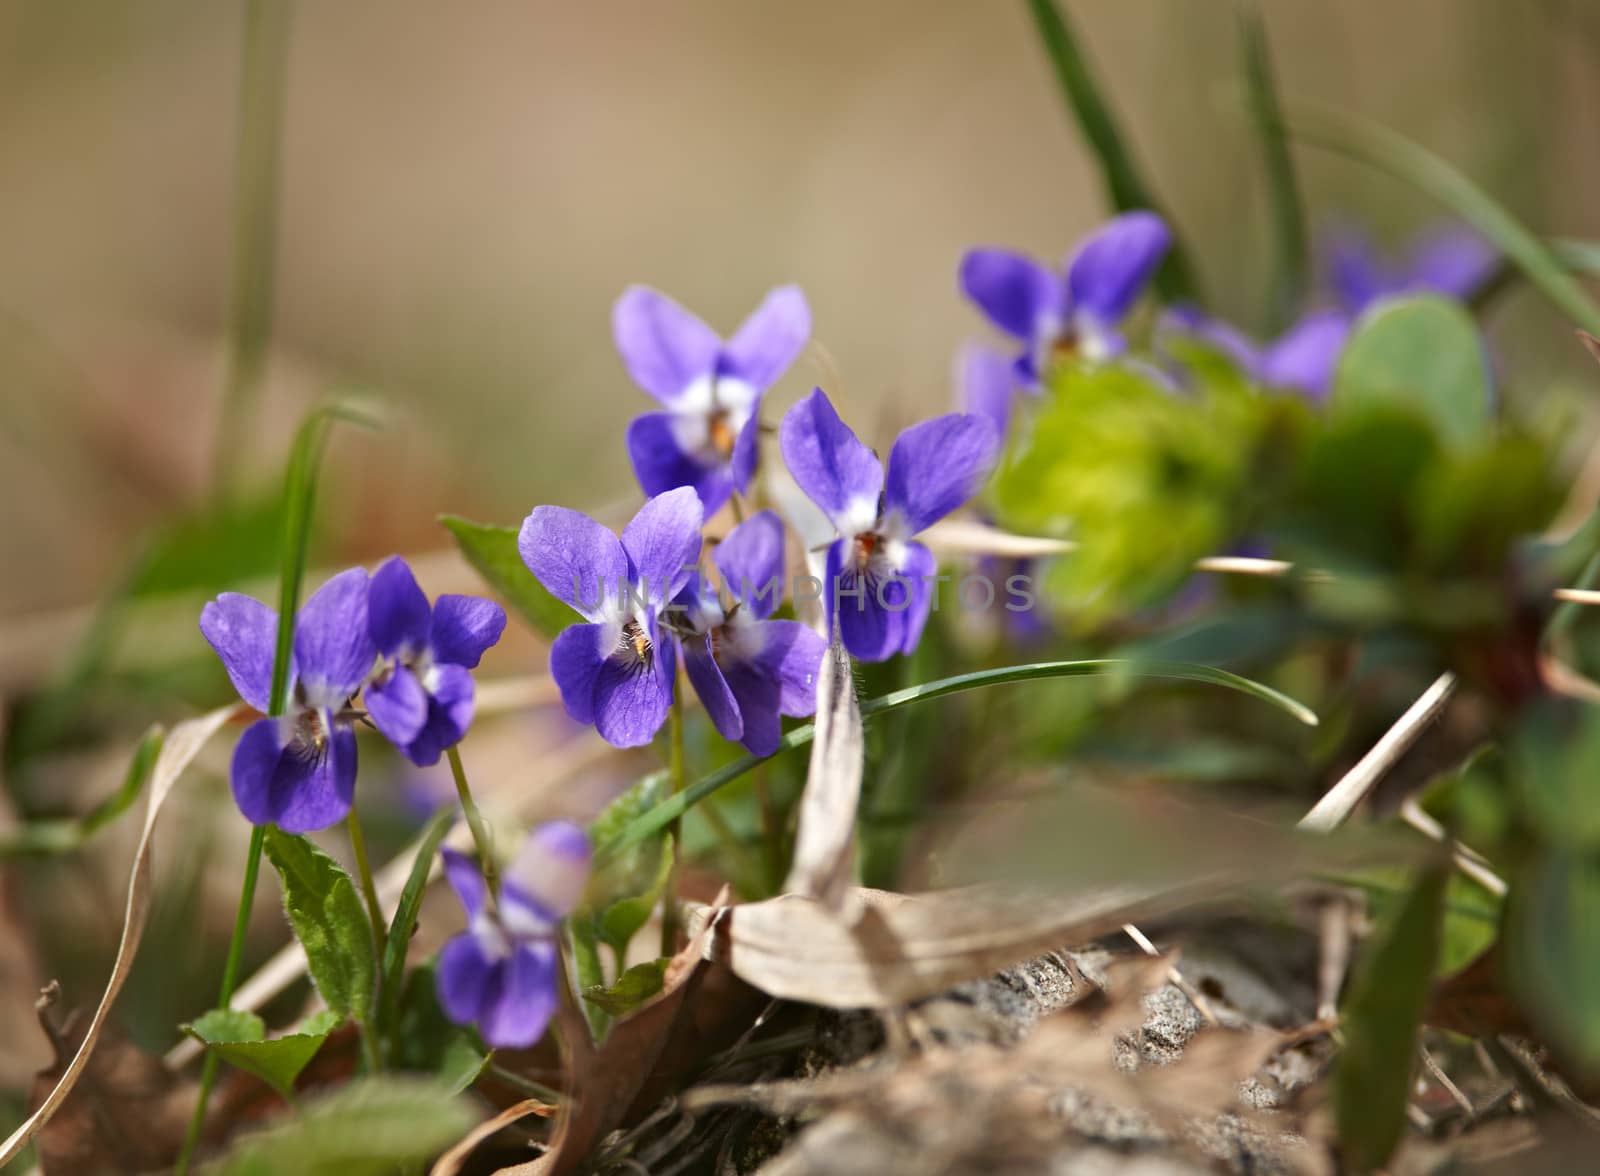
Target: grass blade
[1290,241]
[669,810]
[1379,147]
[47,837]
[1125,187]
[405,917]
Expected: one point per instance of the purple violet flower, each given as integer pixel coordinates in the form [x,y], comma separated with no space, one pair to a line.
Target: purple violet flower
[1301,359]
[747,668]
[298,770]
[708,437]
[987,385]
[500,974]
[875,564]
[1078,312]
[421,699]
[616,671]
[1449,259]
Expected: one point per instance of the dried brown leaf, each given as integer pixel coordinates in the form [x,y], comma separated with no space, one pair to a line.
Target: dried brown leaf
[450,1163]
[180,748]
[824,848]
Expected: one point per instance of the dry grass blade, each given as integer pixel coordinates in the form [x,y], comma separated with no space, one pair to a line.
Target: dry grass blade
[451,1162]
[180,748]
[1341,800]
[904,947]
[824,850]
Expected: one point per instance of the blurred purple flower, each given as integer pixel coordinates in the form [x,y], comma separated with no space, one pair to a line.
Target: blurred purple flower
[1078,312]
[747,668]
[708,437]
[1451,260]
[616,671]
[1302,359]
[298,770]
[934,467]
[987,385]
[500,974]
[421,699]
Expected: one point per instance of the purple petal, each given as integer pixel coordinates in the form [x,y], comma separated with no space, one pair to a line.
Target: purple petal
[398,706]
[466,879]
[751,560]
[398,616]
[1111,268]
[449,715]
[332,648]
[578,561]
[660,464]
[465,978]
[772,337]
[515,1017]
[1222,337]
[937,466]
[869,631]
[918,567]
[1019,295]
[631,699]
[1453,261]
[663,541]
[758,696]
[987,384]
[283,786]
[1305,356]
[244,632]
[1357,273]
[551,868]
[464,627]
[712,687]
[663,346]
[790,655]
[746,454]
[834,469]
[576,656]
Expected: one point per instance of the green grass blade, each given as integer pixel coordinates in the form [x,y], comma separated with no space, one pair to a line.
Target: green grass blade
[1125,187]
[669,810]
[405,918]
[1379,147]
[46,837]
[1290,241]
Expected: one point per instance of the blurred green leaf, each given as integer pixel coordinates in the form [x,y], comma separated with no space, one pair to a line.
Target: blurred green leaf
[631,873]
[1471,914]
[398,941]
[1125,187]
[620,921]
[1291,252]
[1555,766]
[635,986]
[1553,952]
[44,837]
[368,1127]
[493,552]
[329,920]
[1472,509]
[426,1041]
[1378,146]
[1423,352]
[239,1038]
[1372,1077]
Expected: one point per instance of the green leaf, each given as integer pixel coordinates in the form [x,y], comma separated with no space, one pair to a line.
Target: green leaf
[493,552]
[1423,352]
[405,918]
[1291,251]
[1372,1077]
[635,986]
[425,1040]
[1553,952]
[1555,766]
[329,920]
[620,922]
[1378,146]
[42,837]
[1471,914]
[239,1038]
[652,821]
[369,1127]
[1125,187]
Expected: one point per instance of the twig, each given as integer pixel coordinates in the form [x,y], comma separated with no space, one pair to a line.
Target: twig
[1470,862]
[1333,958]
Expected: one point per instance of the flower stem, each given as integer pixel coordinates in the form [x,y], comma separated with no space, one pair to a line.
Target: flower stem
[475,822]
[369,890]
[230,979]
[669,894]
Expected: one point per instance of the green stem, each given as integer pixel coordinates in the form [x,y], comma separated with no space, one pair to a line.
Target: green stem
[358,846]
[669,894]
[475,822]
[230,980]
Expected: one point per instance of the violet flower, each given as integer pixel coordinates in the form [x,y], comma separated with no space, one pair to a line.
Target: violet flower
[987,385]
[500,974]
[878,577]
[1078,312]
[616,671]
[708,437]
[421,699]
[298,770]
[1302,359]
[747,668]
[1450,260]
